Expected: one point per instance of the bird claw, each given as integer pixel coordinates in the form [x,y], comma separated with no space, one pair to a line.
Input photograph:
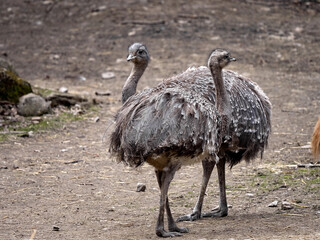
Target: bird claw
[165,234]
[215,213]
[180,230]
[190,217]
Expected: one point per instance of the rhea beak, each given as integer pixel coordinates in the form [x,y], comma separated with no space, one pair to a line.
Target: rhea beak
[130,57]
[232,59]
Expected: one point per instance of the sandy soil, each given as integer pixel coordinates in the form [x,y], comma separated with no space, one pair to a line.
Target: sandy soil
[64,179]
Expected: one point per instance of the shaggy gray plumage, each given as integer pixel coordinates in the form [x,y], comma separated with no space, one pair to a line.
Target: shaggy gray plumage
[205,115]
[180,115]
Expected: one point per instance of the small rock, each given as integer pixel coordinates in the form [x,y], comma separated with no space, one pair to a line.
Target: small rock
[55,228]
[107,93]
[96,119]
[273,204]
[26,135]
[82,78]
[250,194]
[33,105]
[132,33]
[47,2]
[101,8]
[77,110]
[141,187]
[63,89]
[112,209]
[54,56]
[36,119]
[286,205]
[108,75]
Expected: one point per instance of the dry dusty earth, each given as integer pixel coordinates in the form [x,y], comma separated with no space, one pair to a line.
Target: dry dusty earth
[63,179]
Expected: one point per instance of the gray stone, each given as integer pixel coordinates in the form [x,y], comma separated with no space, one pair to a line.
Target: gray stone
[107,93]
[55,228]
[141,187]
[286,205]
[33,105]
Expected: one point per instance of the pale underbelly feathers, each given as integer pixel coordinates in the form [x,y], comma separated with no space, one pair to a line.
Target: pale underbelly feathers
[160,161]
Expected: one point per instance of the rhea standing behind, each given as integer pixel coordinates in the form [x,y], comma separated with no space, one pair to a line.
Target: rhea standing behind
[187,119]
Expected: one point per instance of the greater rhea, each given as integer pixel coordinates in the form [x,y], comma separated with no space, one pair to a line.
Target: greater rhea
[188,118]
[244,125]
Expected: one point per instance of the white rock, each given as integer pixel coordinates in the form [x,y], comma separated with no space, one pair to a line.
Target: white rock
[96,119]
[273,204]
[82,78]
[101,8]
[63,89]
[108,75]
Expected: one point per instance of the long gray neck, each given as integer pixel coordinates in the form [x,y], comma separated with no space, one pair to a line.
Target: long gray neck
[222,96]
[130,86]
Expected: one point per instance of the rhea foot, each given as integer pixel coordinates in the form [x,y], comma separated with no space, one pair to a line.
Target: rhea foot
[217,212]
[179,230]
[165,234]
[175,231]
[190,217]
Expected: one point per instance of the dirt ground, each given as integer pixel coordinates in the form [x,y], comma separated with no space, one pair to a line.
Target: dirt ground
[62,184]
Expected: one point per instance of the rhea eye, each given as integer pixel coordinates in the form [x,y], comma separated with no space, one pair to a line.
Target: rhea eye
[226,56]
[140,51]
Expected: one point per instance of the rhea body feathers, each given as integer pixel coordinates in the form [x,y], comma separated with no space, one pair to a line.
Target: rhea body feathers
[179,118]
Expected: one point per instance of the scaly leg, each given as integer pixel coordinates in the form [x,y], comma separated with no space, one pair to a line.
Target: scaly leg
[207,166]
[164,178]
[222,211]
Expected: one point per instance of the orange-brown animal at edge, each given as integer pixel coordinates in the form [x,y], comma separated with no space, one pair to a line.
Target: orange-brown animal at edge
[315,143]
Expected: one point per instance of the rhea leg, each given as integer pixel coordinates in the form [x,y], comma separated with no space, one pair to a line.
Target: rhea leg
[164,178]
[222,210]
[196,213]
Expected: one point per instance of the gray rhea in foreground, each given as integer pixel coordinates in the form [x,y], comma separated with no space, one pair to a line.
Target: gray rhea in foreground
[203,114]
[139,56]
